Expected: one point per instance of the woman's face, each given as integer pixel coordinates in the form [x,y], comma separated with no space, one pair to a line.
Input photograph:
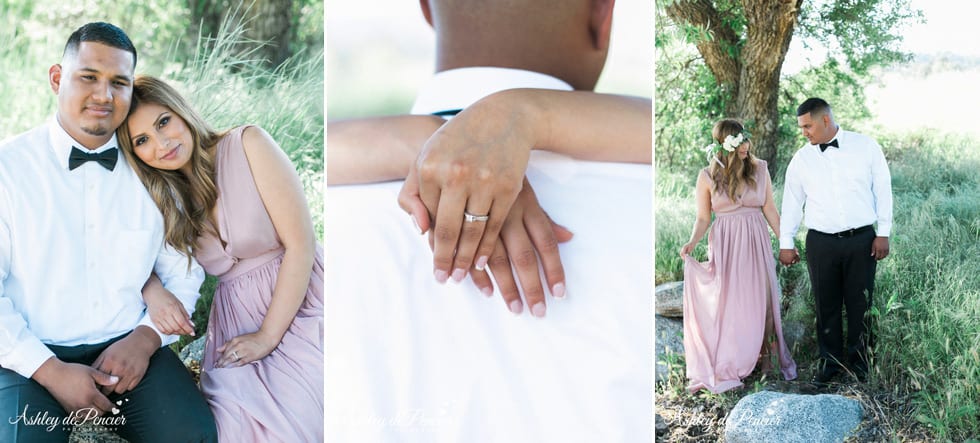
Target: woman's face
[743,150]
[160,138]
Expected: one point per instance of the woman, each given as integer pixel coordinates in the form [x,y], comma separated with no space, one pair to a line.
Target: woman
[731,303]
[234,200]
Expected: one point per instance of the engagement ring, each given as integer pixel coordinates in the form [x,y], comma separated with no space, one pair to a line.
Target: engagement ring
[236,355]
[475,218]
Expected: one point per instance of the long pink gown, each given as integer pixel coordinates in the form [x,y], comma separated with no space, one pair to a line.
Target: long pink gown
[725,298]
[280,397]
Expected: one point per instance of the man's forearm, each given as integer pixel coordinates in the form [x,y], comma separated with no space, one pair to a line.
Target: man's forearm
[376,149]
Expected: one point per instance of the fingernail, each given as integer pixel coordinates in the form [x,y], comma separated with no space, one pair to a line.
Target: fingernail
[458,274]
[538,310]
[487,291]
[481,263]
[113,379]
[516,307]
[558,290]
[416,223]
[441,276]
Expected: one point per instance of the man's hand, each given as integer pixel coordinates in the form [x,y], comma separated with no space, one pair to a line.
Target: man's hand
[789,257]
[75,386]
[128,359]
[528,244]
[879,248]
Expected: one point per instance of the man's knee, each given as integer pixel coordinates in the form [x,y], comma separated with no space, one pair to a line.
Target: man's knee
[29,413]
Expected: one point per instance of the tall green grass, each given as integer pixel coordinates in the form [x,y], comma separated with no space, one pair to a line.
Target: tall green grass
[927,296]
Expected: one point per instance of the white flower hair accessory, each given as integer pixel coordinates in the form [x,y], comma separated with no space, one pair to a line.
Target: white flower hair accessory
[730,144]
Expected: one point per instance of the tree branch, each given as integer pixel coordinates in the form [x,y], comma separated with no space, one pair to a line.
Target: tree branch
[722,62]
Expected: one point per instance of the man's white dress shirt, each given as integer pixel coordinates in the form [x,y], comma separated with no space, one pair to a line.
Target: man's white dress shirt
[410,360]
[76,248]
[839,189]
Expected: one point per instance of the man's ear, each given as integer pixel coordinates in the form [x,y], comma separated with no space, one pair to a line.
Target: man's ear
[600,22]
[54,78]
[426,11]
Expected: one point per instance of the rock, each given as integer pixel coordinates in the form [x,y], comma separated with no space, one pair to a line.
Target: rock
[669,339]
[661,426]
[670,299]
[89,433]
[792,418]
[194,352]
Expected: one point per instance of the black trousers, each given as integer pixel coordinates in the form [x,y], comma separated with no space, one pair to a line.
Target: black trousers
[842,275]
[166,405]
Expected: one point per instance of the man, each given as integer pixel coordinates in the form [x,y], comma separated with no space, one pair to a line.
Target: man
[841,180]
[449,364]
[79,237]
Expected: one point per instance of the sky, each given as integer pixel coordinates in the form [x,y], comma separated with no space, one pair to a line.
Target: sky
[906,100]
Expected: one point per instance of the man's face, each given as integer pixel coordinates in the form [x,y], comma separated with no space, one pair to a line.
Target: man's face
[815,129]
[94,87]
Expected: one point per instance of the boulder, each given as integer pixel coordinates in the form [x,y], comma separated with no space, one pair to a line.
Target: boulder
[89,433]
[670,299]
[792,418]
[193,352]
[669,338]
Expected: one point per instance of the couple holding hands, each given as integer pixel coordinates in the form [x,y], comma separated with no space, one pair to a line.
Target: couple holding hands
[732,321]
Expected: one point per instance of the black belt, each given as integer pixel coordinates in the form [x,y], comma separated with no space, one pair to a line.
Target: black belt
[847,233]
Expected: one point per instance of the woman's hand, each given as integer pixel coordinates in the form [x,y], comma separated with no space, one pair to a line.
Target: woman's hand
[166,311]
[687,249]
[468,175]
[245,349]
[528,238]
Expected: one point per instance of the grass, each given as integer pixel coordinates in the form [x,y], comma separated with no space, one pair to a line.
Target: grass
[925,382]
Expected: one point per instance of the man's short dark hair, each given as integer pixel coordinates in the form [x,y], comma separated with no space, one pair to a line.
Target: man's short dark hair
[100,32]
[813,104]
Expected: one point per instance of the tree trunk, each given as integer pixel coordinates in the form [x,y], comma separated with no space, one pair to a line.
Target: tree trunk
[267,24]
[770,29]
[749,74]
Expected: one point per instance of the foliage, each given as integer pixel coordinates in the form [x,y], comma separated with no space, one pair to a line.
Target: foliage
[844,40]
[864,32]
[927,292]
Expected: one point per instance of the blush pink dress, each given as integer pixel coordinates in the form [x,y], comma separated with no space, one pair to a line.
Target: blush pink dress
[280,397]
[725,298]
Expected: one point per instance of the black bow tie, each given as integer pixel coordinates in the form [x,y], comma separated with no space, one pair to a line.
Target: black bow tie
[105,158]
[823,146]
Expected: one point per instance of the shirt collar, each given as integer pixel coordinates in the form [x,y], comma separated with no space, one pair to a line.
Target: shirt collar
[837,136]
[61,142]
[461,87]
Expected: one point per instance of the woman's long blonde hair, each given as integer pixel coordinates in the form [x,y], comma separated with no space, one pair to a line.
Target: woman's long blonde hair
[186,201]
[737,174]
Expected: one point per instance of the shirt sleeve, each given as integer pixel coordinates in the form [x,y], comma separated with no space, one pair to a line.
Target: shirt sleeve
[792,209]
[881,189]
[185,284]
[20,350]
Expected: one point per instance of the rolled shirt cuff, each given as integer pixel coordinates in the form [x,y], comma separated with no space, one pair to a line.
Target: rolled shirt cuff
[786,243]
[884,230]
[27,356]
[164,338]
